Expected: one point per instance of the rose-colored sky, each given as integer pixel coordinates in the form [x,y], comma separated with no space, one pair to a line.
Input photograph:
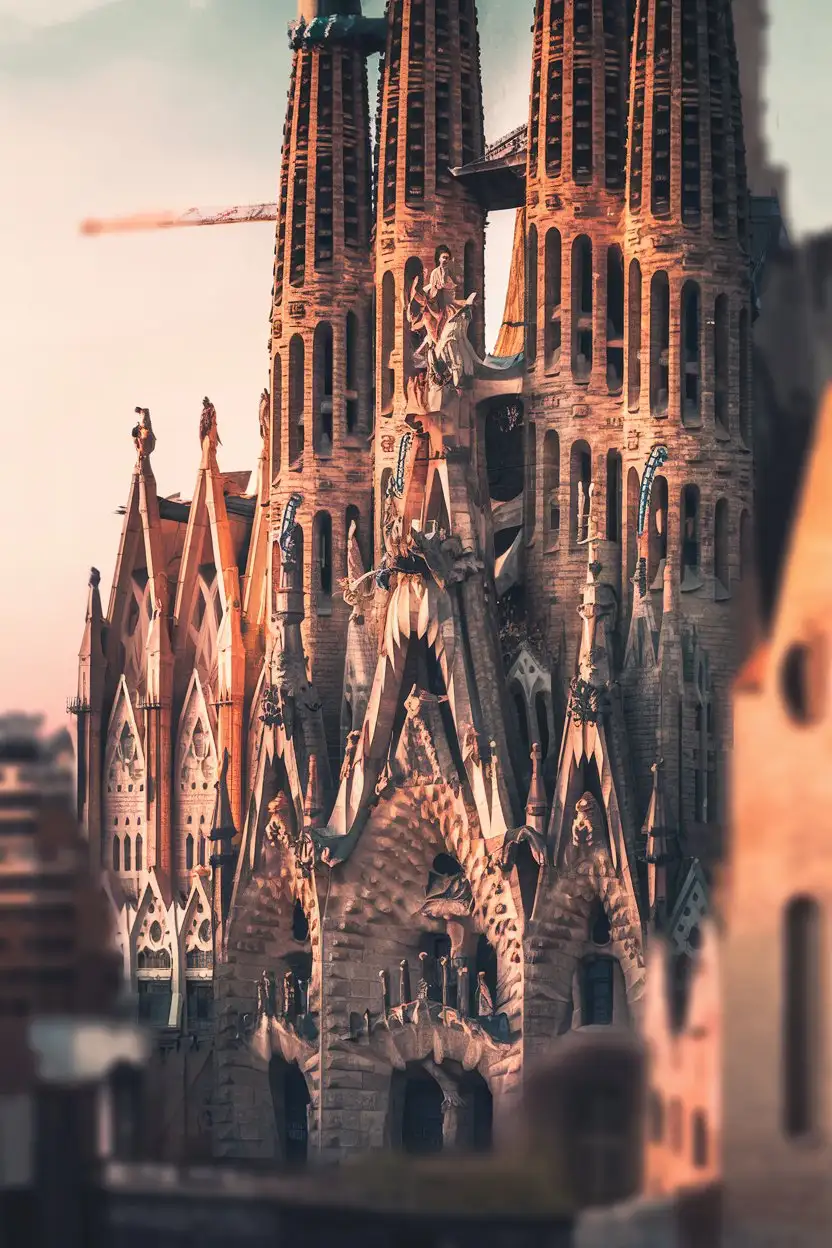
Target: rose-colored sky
[131,105]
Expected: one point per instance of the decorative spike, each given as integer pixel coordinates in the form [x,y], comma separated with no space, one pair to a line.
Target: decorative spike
[536,803]
[384,978]
[443,962]
[313,804]
[462,992]
[404,983]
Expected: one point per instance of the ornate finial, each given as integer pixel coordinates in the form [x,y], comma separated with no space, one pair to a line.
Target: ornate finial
[313,801]
[95,578]
[143,435]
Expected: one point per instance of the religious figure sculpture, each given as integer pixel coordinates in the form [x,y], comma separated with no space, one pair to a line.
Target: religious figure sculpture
[265,406]
[266,995]
[435,310]
[143,435]
[485,1002]
[448,896]
[208,425]
[583,825]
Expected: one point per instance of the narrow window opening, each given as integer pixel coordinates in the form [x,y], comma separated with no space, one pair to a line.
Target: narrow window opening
[633,489]
[351,377]
[116,854]
[139,854]
[300,924]
[324,198]
[189,852]
[322,389]
[127,855]
[323,561]
[721,357]
[691,578]
[746,546]
[615,79]
[745,376]
[554,90]
[699,1131]
[637,140]
[388,337]
[614,481]
[530,490]
[691,331]
[277,422]
[634,338]
[691,155]
[542,714]
[391,136]
[551,472]
[582,309]
[615,319]
[659,343]
[537,58]
[581,480]
[600,932]
[531,296]
[297,259]
[553,298]
[582,153]
[722,575]
[716,106]
[657,534]
[444,76]
[297,364]
[801,1023]
[661,109]
[415,114]
[522,720]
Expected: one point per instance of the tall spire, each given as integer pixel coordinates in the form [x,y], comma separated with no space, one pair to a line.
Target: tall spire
[660,851]
[223,856]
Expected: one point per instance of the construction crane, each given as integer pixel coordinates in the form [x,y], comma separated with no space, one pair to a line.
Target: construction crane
[237,215]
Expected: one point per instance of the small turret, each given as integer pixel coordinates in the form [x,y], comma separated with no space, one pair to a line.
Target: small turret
[660,852]
[536,804]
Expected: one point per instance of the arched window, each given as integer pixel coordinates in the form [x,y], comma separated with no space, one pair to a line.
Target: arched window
[722,574]
[659,343]
[582,70]
[614,478]
[691,332]
[690,537]
[541,710]
[116,854]
[582,308]
[277,408]
[300,924]
[699,1132]
[522,720]
[388,338]
[633,489]
[139,858]
[351,516]
[323,561]
[127,853]
[290,1102]
[531,295]
[745,378]
[189,852]
[351,372]
[297,382]
[746,545]
[551,488]
[615,319]
[552,330]
[322,390]
[530,488]
[721,350]
[657,534]
[413,272]
[634,337]
[580,479]
[802,1012]
[422,1117]
[600,932]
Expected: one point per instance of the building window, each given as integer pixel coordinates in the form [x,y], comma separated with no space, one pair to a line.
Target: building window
[582,156]
[615,78]
[127,854]
[297,383]
[661,108]
[297,257]
[551,488]
[530,490]
[801,989]
[388,338]
[554,90]
[745,377]
[637,142]
[580,482]
[699,1131]
[634,337]
[324,165]
[657,534]
[189,852]
[615,319]
[746,545]
[582,308]
[717,112]
[722,574]
[675,1125]
[691,354]
[116,854]
[322,390]
[659,343]
[277,423]
[414,116]
[522,720]
[705,788]
[691,157]
[690,537]
[531,295]
[139,847]
[597,996]
[323,560]
[633,491]
[655,1117]
[351,372]
[721,350]
[614,477]
[553,298]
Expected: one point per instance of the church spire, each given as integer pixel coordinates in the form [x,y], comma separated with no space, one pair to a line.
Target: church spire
[660,850]
[223,857]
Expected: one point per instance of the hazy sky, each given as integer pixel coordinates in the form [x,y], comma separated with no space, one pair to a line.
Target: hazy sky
[132,105]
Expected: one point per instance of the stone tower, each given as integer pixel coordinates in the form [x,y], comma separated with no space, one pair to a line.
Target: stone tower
[322,334]
[430,121]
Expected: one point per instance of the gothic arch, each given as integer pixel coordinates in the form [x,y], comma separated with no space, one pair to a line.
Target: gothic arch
[123,797]
[195,774]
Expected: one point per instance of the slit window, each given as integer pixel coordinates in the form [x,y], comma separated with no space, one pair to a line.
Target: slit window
[690,533]
[531,296]
[746,545]
[745,376]
[716,106]
[551,487]
[634,337]
[582,154]
[534,126]
[189,852]
[553,298]
[297,364]
[802,1014]
[615,77]
[530,491]
[297,258]
[659,343]
[657,534]
[633,489]
[277,423]
[127,855]
[391,136]
[691,155]
[691,336]
[721,350]
[554,90]
[323,558]
[581,480]
[116,854]
[661,109]
[615,319]
[722,575]
[324,198]
[637,140]
[322,389]
[614,475]
[582,308]
[415,114]
[139,855]
[388,335]
[351,372]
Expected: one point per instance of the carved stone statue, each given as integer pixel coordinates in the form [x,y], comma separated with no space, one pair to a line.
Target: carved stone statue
[448,897]
[143,435]
[350,751]
[431,309]
[485,1002]
[512,841]
[264,414]
[208,425]
[584,830]
[357,585]
[277,829]
[266,995]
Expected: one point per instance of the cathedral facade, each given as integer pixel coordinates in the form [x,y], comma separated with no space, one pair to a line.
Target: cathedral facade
[394,756]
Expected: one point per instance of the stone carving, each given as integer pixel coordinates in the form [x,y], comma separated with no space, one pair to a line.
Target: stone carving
[448,896]
[264,414]
[516,837]
[208,425]
[585,825]
[417,734]
[435,311]
[126,765]
[471,745]
[279,834]
[266,996]
[350,751]
[357,586]
[143,435]
[485,1002]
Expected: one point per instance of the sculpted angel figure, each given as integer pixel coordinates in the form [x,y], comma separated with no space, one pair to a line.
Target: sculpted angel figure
[430,309]
[208,425]
[143,435]
[265,408]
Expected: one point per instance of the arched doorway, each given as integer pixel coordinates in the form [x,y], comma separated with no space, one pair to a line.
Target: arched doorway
[477,1133]
[422,1119]
[290,1100]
